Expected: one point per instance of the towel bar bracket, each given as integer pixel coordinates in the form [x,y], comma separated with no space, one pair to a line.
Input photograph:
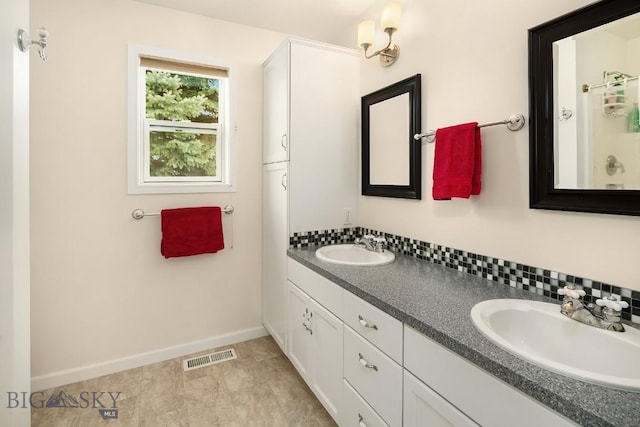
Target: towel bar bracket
[139,213]
[515,122]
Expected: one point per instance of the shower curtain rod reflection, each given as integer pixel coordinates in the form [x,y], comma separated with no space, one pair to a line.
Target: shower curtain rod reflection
[586,88]
[139,213]
[514,122]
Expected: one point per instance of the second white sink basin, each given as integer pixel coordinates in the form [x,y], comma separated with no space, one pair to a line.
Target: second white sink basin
[539,333]
[350,254]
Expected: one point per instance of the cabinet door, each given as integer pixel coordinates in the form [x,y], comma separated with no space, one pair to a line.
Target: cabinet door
[298,330]
[425,407]
[326,358]
[483,397]
[276,107]
[274,250]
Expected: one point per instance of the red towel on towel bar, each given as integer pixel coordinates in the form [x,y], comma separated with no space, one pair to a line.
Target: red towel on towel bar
[191,231]
[457,163]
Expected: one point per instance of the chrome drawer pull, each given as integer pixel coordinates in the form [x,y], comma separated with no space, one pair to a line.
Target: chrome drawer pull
[361,421]
[367,324]
[366,364]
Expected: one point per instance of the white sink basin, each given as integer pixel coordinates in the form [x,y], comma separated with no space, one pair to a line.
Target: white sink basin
[350,254]
[537,332]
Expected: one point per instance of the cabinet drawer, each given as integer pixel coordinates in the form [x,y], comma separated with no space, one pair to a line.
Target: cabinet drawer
[381,329]
[425,407]
[327,293]
[484,398]
[356,411]
[379,382]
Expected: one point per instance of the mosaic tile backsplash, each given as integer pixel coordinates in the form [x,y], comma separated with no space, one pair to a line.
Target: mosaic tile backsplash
[534,279]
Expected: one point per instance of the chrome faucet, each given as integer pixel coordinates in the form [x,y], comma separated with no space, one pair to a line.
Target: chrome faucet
[371,242]
[606,313]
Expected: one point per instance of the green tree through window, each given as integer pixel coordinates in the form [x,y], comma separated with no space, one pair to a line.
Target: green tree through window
[175,99]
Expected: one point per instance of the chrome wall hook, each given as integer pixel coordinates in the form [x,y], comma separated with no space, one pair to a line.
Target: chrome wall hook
[24,42]
[566,114]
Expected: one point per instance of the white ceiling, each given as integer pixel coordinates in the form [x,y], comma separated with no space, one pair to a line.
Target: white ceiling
[325,20]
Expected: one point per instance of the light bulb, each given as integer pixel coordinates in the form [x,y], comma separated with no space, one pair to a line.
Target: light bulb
[391,16]
[366,32]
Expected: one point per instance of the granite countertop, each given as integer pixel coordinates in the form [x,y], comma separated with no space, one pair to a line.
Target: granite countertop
[437,301]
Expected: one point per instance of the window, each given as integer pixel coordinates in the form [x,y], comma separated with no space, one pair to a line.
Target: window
[179,136]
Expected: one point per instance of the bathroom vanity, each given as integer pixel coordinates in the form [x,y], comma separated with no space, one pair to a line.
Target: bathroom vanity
[394,345]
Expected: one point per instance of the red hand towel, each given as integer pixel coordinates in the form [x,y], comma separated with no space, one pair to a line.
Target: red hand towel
[191,231]
[457,163]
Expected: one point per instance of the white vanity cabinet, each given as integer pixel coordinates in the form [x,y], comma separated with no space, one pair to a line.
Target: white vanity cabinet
[315,335]
[465,393]
[369,369]
[372,364]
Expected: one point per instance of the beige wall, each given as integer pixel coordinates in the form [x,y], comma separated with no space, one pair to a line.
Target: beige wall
[473,60]
[101,291]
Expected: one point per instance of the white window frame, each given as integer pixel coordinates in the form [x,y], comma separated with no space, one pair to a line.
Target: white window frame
[139,179]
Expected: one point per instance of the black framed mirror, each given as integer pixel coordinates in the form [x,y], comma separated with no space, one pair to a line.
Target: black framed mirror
[570,169]
[391,157]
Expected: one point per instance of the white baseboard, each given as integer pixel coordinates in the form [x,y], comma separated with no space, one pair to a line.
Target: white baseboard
[69,376]
[277,338]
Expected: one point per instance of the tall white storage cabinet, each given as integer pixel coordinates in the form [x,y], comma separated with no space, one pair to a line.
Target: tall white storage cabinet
[274,243]
[310,156]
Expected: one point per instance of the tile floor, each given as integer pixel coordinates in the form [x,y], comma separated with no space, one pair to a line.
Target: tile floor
[260,388]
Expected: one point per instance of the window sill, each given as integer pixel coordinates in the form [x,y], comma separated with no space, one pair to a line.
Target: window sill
[180,188]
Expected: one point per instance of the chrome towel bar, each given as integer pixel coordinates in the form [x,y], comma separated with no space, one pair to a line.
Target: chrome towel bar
[139,213]
[514,122]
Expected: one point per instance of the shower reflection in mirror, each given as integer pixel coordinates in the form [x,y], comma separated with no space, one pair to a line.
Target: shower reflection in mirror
[596,107]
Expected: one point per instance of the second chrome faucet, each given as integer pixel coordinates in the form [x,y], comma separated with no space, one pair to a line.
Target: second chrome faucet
[606,313]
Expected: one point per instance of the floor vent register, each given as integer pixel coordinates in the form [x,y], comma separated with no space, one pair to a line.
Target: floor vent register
[209,359]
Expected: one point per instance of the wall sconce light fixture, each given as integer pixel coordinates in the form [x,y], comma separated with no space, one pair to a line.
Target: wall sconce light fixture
[390,22]
[24,42]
